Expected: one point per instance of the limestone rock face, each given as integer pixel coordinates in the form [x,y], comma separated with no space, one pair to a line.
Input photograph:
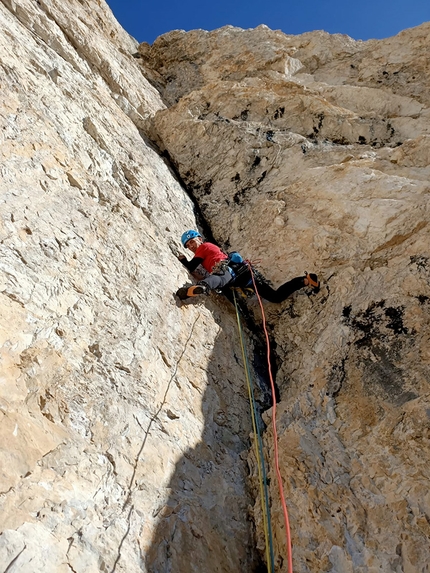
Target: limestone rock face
[312,152]
[124,434]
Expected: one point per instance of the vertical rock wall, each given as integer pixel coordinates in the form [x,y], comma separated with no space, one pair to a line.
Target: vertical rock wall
[123,432]
[313,152]
[124,420]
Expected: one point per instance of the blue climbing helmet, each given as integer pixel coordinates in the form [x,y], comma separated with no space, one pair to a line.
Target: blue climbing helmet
[188,235]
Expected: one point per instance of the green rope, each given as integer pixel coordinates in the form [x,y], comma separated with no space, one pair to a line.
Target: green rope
[258,451]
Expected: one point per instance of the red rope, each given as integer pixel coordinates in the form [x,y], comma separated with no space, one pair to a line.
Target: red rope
[275,433]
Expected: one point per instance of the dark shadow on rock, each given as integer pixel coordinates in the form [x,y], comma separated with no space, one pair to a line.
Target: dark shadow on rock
[205,525]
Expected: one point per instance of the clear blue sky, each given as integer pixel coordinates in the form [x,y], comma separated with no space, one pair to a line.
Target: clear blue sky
[360,19]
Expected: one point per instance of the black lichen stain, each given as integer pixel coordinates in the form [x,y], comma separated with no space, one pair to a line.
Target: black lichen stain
[256,162]
[336,378]
[347,311]
[262,176]
[340,141]
[396,319]
[241,195]
[420,261]
[381,340]
[364,323]
[380,373]
[319,118]
[207,187]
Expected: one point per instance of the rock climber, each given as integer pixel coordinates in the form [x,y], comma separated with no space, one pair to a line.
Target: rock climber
[225,273]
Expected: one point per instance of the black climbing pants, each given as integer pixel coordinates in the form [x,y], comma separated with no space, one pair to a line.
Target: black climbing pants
[283,292]
[265,290]
[245,280]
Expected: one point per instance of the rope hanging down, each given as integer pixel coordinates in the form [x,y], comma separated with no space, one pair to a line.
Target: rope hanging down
[258,444]
[275,433]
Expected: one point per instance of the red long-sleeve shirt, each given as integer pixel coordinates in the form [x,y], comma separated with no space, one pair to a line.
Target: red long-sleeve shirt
[207,255]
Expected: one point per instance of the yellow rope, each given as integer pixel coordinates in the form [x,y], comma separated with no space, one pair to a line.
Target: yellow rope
[257,452]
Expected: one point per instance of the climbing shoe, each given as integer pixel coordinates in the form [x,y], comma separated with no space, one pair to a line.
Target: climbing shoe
[311,280]
[187,292]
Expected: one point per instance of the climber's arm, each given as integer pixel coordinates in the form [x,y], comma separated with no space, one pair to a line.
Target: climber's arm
[191,265]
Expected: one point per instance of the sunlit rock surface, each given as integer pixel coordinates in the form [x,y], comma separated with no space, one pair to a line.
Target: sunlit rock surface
[124,432]
[313,152]
[124,417]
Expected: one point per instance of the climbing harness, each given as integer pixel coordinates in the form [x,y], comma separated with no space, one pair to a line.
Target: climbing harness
[259,449]
[258,444]
[221,267]
[234,263]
